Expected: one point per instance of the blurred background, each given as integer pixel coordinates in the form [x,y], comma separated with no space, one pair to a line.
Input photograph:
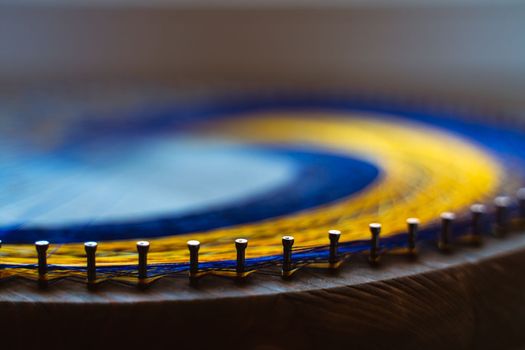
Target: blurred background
[453,50]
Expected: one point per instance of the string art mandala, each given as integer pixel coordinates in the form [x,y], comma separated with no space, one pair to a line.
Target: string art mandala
[257,168]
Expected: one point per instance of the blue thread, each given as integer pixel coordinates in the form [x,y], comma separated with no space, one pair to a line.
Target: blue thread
[319,181]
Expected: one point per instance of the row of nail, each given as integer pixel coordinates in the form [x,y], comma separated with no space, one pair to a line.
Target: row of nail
[502,205]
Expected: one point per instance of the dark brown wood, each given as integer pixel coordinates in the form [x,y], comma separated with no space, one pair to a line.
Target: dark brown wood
[473,297]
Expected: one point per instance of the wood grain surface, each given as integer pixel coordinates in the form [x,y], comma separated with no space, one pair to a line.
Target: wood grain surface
[472,298]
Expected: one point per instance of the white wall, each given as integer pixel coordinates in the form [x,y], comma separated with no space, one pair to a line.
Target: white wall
[474,49]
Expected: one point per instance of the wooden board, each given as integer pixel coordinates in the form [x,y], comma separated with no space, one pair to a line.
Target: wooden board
[474,297]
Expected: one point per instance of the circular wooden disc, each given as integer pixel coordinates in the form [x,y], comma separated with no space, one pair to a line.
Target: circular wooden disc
[472,297]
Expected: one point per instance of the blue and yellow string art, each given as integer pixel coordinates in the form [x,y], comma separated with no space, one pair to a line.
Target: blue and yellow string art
[255,167]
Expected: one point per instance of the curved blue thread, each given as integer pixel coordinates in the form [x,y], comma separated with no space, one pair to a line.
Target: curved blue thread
[318,181]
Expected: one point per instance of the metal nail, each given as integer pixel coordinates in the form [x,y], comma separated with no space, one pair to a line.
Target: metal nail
[240,246]
[288,242]
[41,249]
[193,247]
[333,236]
[91,249]
[412,225]
[375,230]
[142,249]
[447,218]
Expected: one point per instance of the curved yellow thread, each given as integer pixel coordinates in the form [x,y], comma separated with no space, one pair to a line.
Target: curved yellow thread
[424,171]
